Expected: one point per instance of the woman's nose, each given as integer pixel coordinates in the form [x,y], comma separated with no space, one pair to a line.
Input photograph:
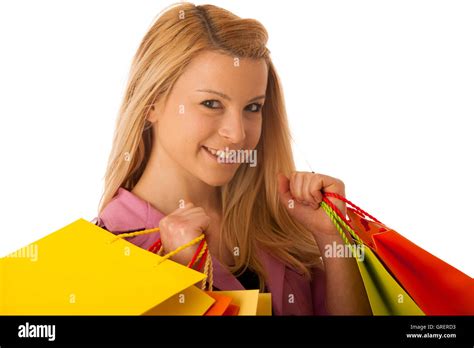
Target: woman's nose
[233,127]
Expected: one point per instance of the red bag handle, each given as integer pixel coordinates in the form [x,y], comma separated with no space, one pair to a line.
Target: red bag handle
[344,199]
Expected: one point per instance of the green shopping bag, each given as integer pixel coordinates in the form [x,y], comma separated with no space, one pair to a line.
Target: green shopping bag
[385,295]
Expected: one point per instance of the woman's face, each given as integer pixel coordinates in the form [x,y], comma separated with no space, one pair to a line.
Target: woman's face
[214,105]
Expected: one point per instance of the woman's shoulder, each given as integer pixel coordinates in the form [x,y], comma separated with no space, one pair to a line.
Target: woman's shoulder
[127,212]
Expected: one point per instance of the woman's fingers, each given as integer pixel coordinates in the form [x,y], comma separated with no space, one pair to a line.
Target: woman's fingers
[284,189]
[307,196]
[297,185]
[308,188]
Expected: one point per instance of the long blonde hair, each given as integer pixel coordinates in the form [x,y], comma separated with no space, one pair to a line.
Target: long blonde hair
[251,212]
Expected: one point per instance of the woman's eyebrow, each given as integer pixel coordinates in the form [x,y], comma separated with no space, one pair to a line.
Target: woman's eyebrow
[225,96]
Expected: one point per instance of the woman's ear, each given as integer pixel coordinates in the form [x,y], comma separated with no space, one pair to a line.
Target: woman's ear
[152,116]
[154,112]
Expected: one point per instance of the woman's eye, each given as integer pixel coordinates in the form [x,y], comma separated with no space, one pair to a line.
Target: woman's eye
[211,104]
[215,104]
[256,107]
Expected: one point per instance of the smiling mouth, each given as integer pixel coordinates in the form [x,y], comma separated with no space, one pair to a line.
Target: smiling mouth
[217,154]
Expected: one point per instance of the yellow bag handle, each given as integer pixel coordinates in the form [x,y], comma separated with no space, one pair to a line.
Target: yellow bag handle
[207,266]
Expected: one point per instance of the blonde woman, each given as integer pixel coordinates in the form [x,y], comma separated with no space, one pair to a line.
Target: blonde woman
[202,86]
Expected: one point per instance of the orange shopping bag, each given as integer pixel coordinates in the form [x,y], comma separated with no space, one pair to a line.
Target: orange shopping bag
[437,287]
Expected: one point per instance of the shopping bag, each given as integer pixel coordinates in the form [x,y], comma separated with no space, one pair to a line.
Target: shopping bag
[227,303]
[83,269]
[240,302]
[386,296]
[264,306]
[190,301]
[246,300]
[437,287]
[220,306]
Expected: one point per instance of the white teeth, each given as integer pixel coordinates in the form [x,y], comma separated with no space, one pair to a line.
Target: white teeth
[218,153]
[222,155]
[214,152]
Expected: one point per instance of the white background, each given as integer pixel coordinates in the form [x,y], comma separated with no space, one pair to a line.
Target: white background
[379,94]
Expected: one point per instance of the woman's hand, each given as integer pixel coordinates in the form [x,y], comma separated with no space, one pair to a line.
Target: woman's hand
[180,227]
[302,194]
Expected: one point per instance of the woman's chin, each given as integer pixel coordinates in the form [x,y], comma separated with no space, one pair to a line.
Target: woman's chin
[217,180]
[215,177]
[213,172]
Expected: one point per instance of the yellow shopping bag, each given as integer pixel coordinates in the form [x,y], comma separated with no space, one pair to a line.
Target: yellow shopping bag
[83,269]
[264,306]
[190,301]
[386,296]
[235,302]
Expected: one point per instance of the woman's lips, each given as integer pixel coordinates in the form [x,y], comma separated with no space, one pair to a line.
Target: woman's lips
[211,150]
[215,157]
[208,151]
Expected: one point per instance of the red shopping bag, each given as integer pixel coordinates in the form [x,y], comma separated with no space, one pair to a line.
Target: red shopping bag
[437,287]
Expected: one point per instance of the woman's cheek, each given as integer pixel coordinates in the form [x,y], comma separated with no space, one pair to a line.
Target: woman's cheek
[253,131]
[199,127]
